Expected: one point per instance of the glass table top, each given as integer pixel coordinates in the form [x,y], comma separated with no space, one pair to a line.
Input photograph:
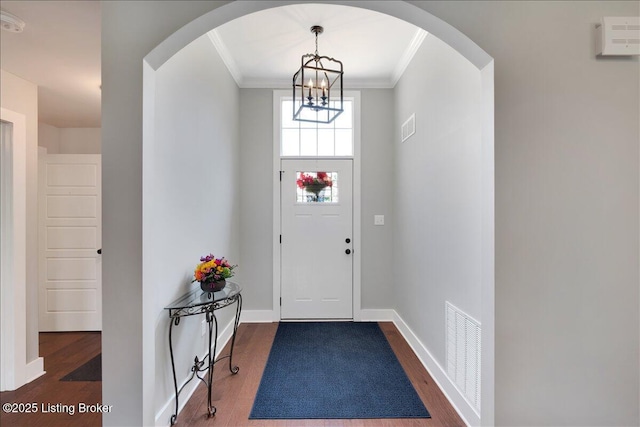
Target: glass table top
[198,297]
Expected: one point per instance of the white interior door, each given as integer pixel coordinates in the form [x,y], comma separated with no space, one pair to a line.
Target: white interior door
[317,240]
[70,268]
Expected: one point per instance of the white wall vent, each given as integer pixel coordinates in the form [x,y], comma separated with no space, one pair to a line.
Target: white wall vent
[463,353]
[618,36]
[408,127]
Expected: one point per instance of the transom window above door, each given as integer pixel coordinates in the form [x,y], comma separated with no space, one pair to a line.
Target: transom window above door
[305,139]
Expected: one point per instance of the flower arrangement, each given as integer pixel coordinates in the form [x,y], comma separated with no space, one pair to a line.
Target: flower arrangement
[314,184]
[212,269]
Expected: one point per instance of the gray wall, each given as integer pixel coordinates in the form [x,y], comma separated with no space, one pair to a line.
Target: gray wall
[566,135]
[438,200]
[567,199]
[130,30]
[256,196]
[191,205]
[378,185]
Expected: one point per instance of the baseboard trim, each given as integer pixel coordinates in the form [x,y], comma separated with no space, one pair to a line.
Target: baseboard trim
[457,400]
[377,315]
[34,369]
[163,417]
[453,395]
[256,316]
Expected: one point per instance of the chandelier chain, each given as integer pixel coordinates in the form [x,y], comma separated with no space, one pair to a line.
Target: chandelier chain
[316,44]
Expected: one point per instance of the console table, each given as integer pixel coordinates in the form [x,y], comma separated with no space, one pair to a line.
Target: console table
[199,302]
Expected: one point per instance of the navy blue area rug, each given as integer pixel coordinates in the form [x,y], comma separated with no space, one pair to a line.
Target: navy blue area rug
[333,370]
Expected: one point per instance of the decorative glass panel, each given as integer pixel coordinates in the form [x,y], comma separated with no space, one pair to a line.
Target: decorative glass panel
[317,187]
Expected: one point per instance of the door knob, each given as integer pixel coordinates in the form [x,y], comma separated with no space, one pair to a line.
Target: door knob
[348,240]
[348,251]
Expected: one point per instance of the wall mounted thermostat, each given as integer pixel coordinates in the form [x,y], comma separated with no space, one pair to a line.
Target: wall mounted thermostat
[618,36]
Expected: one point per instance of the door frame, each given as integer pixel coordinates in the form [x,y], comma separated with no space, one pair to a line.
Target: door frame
[357,235]
[13,344]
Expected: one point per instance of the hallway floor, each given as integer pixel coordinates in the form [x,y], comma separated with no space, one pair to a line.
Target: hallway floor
[63,352]
[232,394]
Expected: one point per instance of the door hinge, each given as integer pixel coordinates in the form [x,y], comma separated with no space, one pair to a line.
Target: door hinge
[281,172]
[280,301]
[281,239]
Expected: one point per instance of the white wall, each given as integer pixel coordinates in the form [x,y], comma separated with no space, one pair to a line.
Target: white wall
[69,140]
[21,96]
[437,233]
[190,199]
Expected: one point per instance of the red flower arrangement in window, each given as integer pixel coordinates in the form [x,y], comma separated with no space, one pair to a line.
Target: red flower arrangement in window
[315,184]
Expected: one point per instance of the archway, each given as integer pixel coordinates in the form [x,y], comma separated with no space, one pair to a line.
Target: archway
[412,14]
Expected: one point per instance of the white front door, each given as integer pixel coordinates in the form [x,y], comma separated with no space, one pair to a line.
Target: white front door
[317,239]
[70,268]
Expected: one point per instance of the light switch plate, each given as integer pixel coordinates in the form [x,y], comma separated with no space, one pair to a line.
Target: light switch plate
[378,220]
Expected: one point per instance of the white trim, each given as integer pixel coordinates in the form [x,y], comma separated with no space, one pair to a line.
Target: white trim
[163,416]
[357,203]
[408,55]
[354,83]
[226,56]
[439,375]
[377,315]
[464,409]
[35,369]
[487,294]
[276,205]
[13,266]
[257,316]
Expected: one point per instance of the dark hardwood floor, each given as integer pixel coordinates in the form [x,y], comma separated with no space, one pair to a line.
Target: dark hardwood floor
[232,394]
[63,352]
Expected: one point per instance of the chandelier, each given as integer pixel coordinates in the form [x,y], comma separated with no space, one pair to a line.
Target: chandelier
[317,87]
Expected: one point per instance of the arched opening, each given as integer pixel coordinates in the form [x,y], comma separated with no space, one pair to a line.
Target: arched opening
[153,336]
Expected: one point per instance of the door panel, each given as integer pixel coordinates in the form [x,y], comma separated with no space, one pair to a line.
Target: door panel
[317,271]
[70,282]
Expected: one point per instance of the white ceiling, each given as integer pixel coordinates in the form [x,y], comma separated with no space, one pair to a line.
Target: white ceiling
[263,49]
[59,50]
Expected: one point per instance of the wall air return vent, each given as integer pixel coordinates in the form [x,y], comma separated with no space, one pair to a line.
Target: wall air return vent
[408,127]
[463,353]
[618,36]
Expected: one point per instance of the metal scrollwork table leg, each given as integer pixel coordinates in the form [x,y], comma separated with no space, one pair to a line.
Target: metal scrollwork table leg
[199,365]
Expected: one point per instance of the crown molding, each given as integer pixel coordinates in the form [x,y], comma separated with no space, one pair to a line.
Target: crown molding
[279,83]
[226,56]
[408,55]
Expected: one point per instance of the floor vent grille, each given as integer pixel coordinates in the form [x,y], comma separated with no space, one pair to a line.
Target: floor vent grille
[463,353]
